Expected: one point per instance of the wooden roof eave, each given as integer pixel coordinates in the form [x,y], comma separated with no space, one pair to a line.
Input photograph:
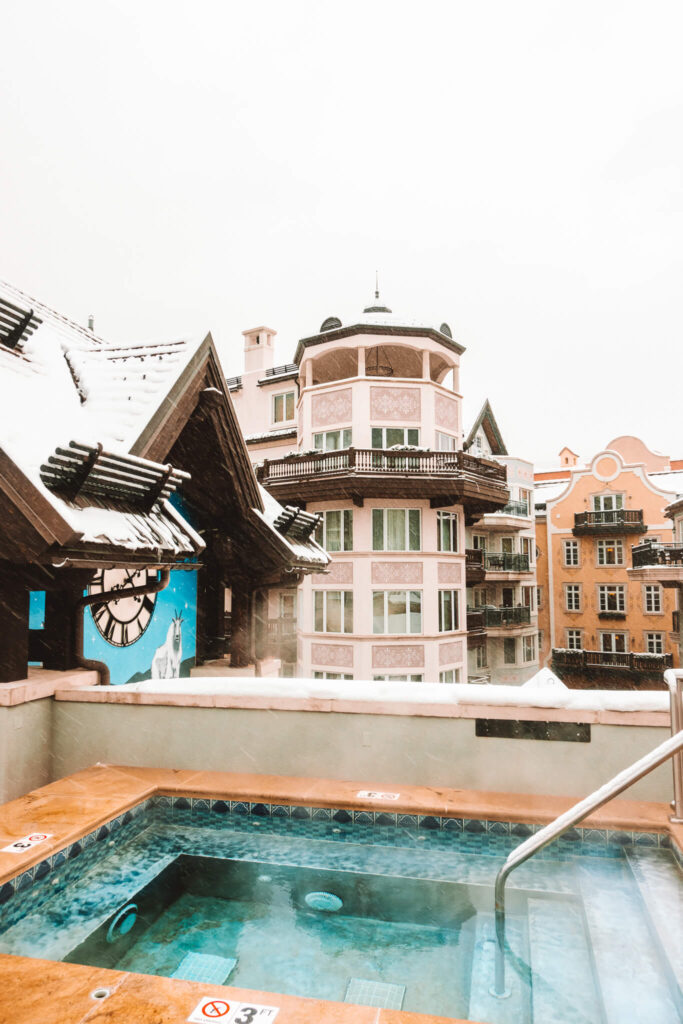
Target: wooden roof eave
[166,424]
[36,509]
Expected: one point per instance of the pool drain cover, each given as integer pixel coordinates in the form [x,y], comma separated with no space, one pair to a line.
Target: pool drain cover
[324,901]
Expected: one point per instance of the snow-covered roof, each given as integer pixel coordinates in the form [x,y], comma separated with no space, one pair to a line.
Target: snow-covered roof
[544,492]
[304,551]
[670,480]
[62,383]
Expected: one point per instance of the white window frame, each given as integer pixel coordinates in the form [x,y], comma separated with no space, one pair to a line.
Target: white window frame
[283,397]
[480,542]
[528,594]
[343,435]
[445,442]
[453,623]
[482,656]
[412,677]
[573,547]
[407,612]
[573,605]
[603,597]
[409,512]
[332,675]
[652,599]
[528,543]
[654,640]
[448,523]
[510,642]
[449,675]
[574,639]
[602,633]
[321,599]
[321,533]
[405,440]
[529,648]
[603,547]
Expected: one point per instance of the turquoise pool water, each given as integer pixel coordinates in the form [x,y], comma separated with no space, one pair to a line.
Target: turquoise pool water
[229,895]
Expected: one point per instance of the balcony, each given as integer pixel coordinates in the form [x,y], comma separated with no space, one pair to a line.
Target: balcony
[658,563]
[445,478]
[636,661]
[503,616]
[505,562]
[474,566]
[476,632]
[280,640]
[510,517]
[617,520]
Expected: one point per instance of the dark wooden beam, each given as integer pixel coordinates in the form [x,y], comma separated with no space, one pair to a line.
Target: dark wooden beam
[14,632]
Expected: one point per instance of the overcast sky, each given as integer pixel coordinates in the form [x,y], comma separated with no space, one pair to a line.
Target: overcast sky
[513,168]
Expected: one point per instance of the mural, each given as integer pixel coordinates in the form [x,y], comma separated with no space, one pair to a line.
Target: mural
[152,636]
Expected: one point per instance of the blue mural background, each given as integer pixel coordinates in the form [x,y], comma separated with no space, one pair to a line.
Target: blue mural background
[36,615]
[130,664]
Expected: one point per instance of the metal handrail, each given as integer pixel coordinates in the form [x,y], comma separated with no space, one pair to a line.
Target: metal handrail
[575,814]
[674,680]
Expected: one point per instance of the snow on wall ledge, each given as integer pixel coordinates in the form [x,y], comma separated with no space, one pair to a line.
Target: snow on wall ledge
[541,696]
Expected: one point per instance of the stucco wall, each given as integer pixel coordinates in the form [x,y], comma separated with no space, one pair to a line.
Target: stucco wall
[387,749]
[25,732]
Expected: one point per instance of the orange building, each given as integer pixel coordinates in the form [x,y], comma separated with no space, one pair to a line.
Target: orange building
[592,615]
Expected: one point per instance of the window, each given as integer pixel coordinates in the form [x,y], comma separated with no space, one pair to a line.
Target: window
[528,598]
[479,596]
[447,531]
[283,407]
[510,651]
[450,675]
[540,639]
[448,611]
[612,598]
[613,643]
[539,597]
[334,532]
[525,497]
[574,641]
[396,529]
[479,541]
[654,643]
[653,598]
[387,437]
[333,611]
[610,552]
[572,597]
[507,545]
[445,442]
[332,675]
[482,656]
[397,611]
[607,502]
[332,440]
[414,678]
[527,547]
[571,552]
[529,648]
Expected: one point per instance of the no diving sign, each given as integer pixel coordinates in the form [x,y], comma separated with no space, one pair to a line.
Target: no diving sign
[231,1011]
[26,842]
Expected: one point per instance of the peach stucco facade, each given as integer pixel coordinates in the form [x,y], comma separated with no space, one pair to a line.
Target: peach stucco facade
[584,536]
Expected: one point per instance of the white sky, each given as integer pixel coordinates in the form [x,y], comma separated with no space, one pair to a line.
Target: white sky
[512,168]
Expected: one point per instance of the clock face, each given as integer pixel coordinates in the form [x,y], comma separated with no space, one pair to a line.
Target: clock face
[122,620]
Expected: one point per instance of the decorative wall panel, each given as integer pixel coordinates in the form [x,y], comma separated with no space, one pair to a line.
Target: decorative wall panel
[449,653]
[450,572]
[406,656]
[340,572]
[397,572]
[446,413]
[395,405]
[334,655]
[332,408]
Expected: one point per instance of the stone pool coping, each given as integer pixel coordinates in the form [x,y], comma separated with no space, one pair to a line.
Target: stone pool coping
[56,993]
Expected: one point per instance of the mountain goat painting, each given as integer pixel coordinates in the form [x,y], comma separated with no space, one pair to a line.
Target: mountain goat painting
[167,658]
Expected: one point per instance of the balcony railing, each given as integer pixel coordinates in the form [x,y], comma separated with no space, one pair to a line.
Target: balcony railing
[505,561]
[475,620]
[373,460]
[637,661]
[616,520]
[503,616]
[654,553]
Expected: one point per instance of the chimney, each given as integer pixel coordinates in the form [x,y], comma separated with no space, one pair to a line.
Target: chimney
[259,350]
[91,322]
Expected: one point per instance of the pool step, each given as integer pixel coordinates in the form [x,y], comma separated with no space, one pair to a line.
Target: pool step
[213,970]
[564,989]
[660,882]
[633,983]
[375,993]
[516,1009]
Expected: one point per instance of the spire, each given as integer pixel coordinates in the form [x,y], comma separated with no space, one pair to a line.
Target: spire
[376,306]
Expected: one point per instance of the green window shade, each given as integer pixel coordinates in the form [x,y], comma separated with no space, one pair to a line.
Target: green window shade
[413,436]
[378,612]
[396,529]
[415,611]
[348,611]
[334,611]
[377,529]
[396,611]
[319,608]
[346,438]
[414,543]
[289,405]
[376,437]
[333,530]
[348,530]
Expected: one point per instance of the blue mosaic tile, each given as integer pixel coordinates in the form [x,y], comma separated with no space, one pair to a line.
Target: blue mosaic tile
[500,828]
[220,806]
[239,807]
[620,838]
[260,810]
[181,803]
[594,835]
[407,820]
[474,826]
[645,839]
[301,813]
[74,850]
[343,817]
[42,870]
[6,892]
[280,811]
[385,818]
[164,801]
[364,817]
[429,821]
[523,831]
[199,804]
[127,818]
[665,841]
[102,833]
[453,824]
[58,859]
[321,814]
[24,881]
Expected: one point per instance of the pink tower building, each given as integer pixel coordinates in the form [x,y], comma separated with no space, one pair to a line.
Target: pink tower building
[364,428]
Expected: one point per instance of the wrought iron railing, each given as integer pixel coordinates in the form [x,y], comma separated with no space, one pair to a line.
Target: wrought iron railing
[637,661]
[654,553]
[373,460]
[475,620]
[503,616]
[629,518]
[505,561]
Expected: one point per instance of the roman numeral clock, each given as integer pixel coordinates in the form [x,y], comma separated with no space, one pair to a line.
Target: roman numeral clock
[122,620]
